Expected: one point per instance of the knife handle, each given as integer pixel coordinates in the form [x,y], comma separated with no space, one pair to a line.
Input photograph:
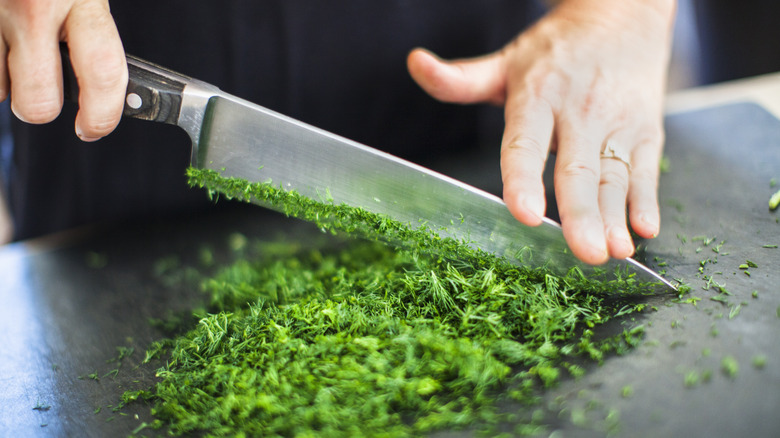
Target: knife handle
[153,92]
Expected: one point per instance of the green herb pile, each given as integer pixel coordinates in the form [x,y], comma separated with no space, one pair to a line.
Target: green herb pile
[360,338]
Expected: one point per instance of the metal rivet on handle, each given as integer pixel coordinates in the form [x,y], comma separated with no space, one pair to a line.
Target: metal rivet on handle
[134,101]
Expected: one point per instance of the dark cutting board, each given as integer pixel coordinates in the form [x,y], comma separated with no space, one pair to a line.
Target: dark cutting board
[67,302]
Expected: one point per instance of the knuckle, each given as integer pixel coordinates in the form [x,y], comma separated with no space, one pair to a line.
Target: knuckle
[580,170]
[652,135]
[645,176]
[528,147]
[545,84]
[106,73]
[523,158]
[613,180]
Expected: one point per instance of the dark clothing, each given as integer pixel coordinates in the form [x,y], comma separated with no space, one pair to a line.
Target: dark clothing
[339,65]
[737,38]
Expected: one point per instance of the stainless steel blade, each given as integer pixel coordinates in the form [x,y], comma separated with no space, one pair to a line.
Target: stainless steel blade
[244,140]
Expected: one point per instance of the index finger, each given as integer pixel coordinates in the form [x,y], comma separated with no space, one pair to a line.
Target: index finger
[526,143]
[100,65]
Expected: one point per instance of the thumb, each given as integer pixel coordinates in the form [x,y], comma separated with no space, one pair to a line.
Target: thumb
[473,80]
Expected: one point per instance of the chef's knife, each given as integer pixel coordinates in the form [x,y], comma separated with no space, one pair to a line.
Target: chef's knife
[244,140]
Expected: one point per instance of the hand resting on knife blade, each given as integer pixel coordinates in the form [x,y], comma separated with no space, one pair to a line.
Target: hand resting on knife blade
[586,81]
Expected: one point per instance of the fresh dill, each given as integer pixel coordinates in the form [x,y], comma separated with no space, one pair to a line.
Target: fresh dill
[774,201]
[729,366]
[345,336]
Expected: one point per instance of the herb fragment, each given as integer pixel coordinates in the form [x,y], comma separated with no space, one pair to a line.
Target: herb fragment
[96,260]
[720,298]
[759,361]
[774,201]
[704,239]
[41,407]
[729,366]
[714,332]
[691,379]
[665,165]
[123,352]
[94,376]
[734,311]
[140,427]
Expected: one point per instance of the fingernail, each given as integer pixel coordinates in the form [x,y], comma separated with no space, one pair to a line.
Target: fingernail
[81,136]
[597,246]
[620,238]
[18,116]
[650,222]
[535,205]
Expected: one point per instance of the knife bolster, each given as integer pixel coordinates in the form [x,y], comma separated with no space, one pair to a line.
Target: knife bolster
[153,92]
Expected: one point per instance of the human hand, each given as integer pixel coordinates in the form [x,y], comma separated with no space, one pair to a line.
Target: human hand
[585,80]
[30,66]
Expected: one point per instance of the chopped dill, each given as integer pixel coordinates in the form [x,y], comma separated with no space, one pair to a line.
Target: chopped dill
[734,311]
[759,361]
[774,201]
[729,366]
[356,221]
[692,379]
[665,165]
[345,336]
[41,407]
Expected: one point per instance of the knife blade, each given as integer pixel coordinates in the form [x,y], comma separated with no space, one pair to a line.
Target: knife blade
[244,140]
